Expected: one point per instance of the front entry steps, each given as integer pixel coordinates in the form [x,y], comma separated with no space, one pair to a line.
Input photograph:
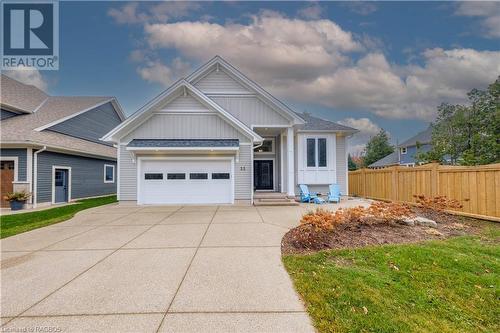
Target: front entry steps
[272,199]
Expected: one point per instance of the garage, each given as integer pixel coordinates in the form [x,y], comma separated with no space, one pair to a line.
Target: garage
[186,181]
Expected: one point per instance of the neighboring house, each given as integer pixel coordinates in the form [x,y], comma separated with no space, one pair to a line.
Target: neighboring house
[216,136]
[50,144]
[405,153]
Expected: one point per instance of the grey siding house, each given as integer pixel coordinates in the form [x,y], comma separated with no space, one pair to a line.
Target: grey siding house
[50,144]
[218,137]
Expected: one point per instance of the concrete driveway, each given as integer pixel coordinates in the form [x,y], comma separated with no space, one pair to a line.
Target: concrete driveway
[154,269]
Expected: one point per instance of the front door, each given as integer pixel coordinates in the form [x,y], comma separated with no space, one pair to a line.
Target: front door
[263,174]
[61,185]
[7,177]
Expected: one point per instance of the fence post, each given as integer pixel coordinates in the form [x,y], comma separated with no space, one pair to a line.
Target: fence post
[394,180]
[434,179]
[363,173]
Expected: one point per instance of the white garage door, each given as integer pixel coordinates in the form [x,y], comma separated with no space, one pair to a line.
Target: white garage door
[203,181]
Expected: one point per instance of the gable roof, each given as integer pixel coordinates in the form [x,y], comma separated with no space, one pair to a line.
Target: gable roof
[391,159]
[319,124]
[180,87]
[218,63]
[19,97]
[422,137]
[27,128]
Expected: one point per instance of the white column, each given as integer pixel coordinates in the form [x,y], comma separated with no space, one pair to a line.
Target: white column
[282,161]
[290,161]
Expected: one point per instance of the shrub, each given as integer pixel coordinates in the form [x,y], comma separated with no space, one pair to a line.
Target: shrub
[439,203]
[17,196]
[378,212]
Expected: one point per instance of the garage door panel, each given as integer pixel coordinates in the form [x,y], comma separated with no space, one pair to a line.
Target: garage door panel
[185,191]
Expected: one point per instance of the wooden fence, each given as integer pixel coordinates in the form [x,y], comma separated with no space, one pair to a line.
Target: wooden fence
[477,188]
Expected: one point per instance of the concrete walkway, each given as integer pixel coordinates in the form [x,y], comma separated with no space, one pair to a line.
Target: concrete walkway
[154,269]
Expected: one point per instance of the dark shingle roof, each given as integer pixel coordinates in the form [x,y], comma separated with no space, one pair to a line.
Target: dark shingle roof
[187,143]
[422,137]
[391,159]
[318,124]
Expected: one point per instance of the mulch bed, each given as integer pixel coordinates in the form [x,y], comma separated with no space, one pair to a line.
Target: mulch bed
[306,239]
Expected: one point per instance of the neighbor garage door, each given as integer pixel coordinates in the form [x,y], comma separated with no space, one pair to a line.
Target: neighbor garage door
[204,181]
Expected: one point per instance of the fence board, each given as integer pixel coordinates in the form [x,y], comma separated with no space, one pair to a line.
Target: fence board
[477,188]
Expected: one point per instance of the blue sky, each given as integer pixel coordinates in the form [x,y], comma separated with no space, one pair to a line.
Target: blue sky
[370,65]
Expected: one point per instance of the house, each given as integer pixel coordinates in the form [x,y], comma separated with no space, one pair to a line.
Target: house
[407,151]
[49,145]
[216,137]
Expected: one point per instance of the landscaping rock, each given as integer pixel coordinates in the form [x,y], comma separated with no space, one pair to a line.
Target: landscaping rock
[419,220]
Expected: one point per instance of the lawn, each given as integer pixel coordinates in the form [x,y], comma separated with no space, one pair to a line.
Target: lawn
[436,286]
[14,224]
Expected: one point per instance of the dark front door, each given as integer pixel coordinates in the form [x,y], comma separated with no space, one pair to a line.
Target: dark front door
[263,174]
[61,185]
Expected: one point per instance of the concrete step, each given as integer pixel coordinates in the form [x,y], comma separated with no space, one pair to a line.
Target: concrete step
[269,195]
[275,203]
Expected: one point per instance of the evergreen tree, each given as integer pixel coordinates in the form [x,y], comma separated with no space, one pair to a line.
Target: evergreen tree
[377,147]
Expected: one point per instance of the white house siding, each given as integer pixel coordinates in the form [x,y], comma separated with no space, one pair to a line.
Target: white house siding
[342,163]
[185,103]
[128,175]
[220,82]
[243,170]
[250,110]
[185,126]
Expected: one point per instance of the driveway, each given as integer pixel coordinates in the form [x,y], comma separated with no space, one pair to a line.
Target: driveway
[154,269]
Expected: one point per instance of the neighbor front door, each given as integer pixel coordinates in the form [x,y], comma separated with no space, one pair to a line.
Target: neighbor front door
[263,174]
[61,185]
[7,177]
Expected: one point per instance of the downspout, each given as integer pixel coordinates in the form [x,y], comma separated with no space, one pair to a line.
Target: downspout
[35,175]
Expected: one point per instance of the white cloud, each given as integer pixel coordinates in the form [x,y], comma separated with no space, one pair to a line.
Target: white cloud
[311,61]
[30,76]
[361,7]
[311,12]
[156,71]
[134,12]
[488,11]
[367,129]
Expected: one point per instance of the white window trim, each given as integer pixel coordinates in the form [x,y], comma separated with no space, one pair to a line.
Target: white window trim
[273,147]
[316,155]
[404,150]
[15,159]
[114,175]
[54,167]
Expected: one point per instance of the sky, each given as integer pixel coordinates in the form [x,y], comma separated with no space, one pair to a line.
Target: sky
[369,65]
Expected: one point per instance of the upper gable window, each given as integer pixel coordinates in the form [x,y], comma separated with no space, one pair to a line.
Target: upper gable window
[267,147]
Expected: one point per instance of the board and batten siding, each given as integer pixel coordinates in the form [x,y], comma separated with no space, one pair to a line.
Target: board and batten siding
[220,82]
[342,164]
[90,125]
[185,126]
[87,176]
[184,103]
[21,154]
[250,110]
[242,173]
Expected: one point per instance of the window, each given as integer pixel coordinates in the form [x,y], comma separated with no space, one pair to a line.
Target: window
[153,176]
[316,152]
[322,152]
[173,176]
[220,175]
[109,173]
[311,152]
[267,146]
[198,176]
[404,150]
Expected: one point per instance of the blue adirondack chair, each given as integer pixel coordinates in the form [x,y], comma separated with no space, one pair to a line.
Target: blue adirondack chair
[306,196]
[334,194]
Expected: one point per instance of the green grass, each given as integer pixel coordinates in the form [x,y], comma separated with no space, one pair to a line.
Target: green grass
[14,224]
[441,286]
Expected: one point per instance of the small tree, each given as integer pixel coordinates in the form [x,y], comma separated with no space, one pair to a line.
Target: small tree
[350,163]
[377,147]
